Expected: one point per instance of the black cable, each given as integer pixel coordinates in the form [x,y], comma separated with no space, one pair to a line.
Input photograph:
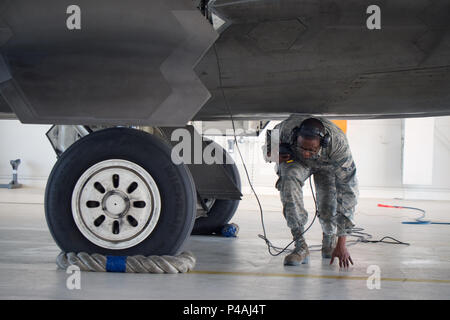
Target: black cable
[264,237]
[281,250]
[235,139]
[395,241]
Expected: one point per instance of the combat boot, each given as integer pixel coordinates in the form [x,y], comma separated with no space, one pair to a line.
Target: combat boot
[328,245]
[298,257]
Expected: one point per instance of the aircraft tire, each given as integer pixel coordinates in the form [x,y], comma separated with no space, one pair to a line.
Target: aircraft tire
[162,203]
[223,210]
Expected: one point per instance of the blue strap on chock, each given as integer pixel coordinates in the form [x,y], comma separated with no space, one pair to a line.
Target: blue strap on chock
[116,263]
[230,230]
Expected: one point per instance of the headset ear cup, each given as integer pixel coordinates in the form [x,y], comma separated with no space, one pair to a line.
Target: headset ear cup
[295,134]
[325,141]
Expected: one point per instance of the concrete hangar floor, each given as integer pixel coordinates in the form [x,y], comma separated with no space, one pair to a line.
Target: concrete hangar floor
[240,268]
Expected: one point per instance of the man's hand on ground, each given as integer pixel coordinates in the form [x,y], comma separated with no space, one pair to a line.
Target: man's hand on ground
[342,254]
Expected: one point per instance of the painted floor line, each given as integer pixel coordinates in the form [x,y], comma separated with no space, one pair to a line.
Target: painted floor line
[295,275]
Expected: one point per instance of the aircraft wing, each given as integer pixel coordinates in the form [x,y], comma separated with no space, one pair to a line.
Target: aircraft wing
[163,63]
[129,63]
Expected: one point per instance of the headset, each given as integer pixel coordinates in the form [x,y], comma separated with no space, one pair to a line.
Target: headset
[308,131]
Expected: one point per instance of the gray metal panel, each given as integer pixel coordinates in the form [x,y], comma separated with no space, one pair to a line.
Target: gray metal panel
[386,93]
[5,75]
[299,56]
[188,92]
[211,180]
[7,116]
[131,62]
[4,108]
[5,31]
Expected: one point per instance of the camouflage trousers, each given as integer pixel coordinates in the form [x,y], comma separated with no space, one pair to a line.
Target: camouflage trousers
[292,177]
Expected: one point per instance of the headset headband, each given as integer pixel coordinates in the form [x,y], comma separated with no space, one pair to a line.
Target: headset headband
[313,132]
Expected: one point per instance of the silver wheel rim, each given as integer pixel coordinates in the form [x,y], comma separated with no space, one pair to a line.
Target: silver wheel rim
[116,204]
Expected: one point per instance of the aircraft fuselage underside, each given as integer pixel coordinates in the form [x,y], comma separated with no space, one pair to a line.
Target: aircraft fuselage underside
[132,63]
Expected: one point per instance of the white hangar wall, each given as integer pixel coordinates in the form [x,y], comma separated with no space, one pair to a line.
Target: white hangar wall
[377,149]
[376,146]
[28,143]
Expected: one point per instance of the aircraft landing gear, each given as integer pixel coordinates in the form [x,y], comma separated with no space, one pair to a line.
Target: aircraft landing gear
[117,192]
[220,211]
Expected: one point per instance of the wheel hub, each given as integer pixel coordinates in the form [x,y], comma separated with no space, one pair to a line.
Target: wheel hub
[116,204]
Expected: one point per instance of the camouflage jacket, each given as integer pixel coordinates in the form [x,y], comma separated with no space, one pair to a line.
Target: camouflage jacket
[335,159]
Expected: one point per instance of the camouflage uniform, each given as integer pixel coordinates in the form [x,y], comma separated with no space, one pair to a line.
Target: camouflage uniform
[335,182]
